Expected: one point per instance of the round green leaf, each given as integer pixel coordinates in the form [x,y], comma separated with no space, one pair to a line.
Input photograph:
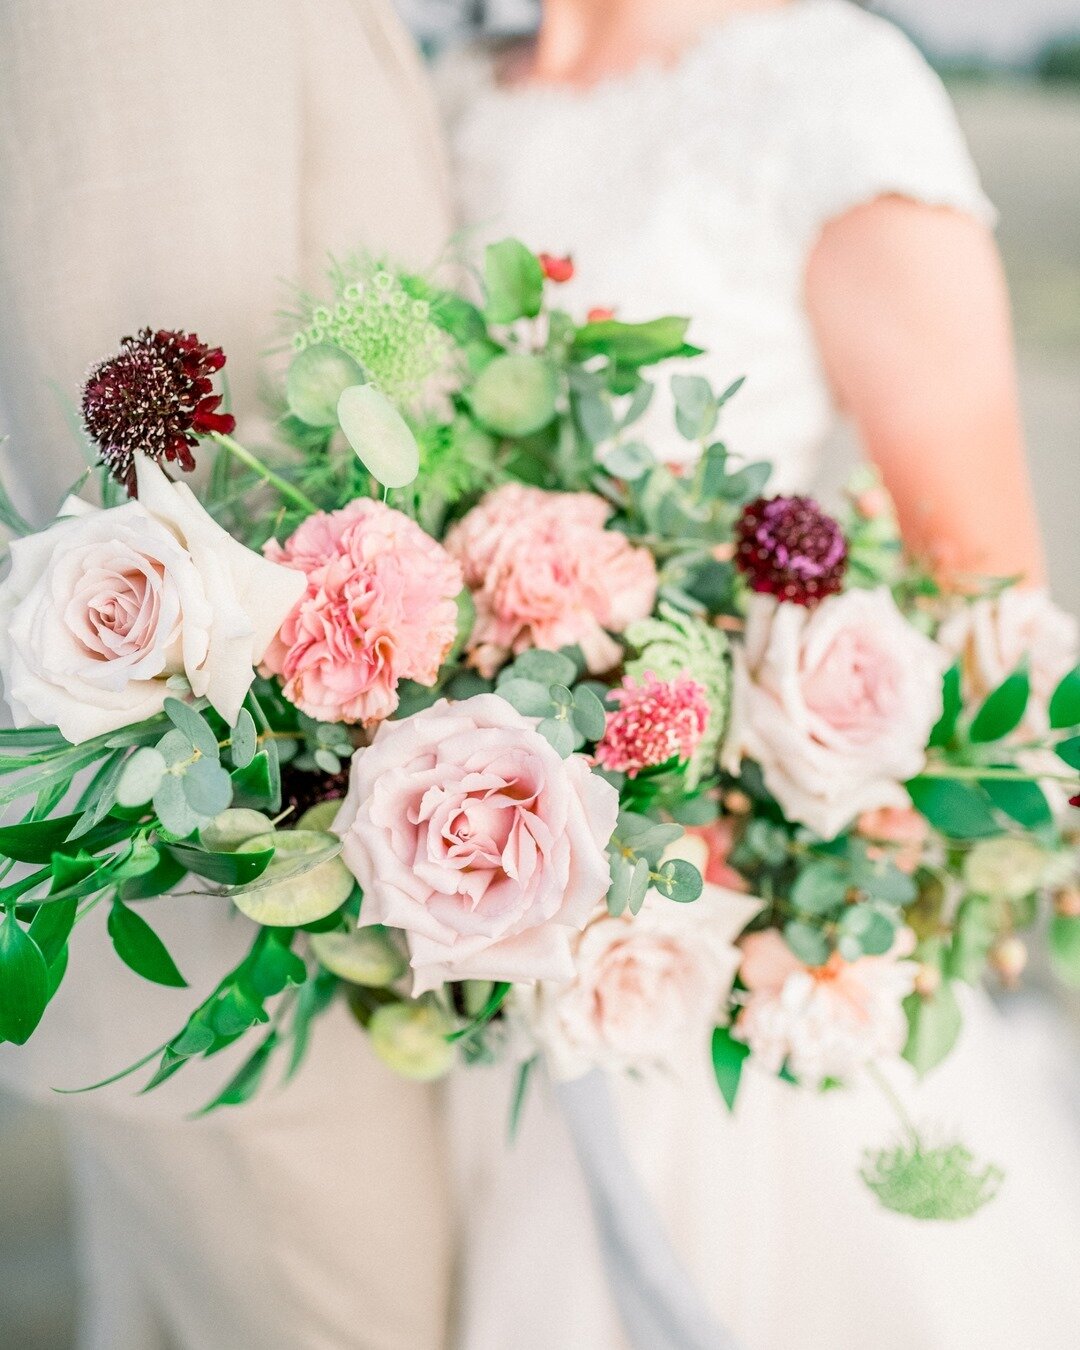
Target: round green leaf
[808,943]
[380,436]
[412,1039]
[230,829]
[366,956]
[290,893]
[317,378]
[679,880]
[514,395]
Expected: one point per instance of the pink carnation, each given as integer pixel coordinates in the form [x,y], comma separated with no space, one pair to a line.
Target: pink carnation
[544,572]
[380,607]
[654,722]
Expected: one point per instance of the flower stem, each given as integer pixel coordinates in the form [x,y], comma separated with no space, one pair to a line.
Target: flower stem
[991,774]
[286,489]
[893,1098]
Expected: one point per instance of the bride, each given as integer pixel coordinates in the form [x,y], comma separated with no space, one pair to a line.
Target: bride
[793,176]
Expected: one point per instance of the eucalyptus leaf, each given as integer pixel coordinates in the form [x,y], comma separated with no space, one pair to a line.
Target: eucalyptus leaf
[545,667]
[207,787]
[679,880]
[140,777]
[629,460]
[559,734]
[193,726]
[529,697]
[696,407]
[243,740]
[588,713]
[807,942]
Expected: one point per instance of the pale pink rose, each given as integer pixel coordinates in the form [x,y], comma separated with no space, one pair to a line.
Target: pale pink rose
[836,703]
[100,609]
[993,637]
[647,990]
[467,831]
[822,1022]
[544,572]
[903,828]
[380,607]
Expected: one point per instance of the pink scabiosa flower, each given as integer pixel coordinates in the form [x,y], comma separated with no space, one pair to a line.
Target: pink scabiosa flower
[789,547]
[655,721]
[380,607]
[155,397]
[544,572]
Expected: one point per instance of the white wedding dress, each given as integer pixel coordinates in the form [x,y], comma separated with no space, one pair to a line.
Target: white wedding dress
[701,190]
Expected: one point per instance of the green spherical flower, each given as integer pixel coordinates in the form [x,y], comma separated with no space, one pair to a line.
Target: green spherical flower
[938,1184]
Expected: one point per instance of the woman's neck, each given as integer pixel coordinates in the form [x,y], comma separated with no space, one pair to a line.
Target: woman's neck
[583,41]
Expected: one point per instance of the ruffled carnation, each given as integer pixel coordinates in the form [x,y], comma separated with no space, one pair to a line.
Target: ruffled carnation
[380,607]
[822,1022]
[655,721]
[545,573]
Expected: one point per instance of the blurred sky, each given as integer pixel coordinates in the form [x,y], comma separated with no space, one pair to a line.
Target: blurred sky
[1007,30]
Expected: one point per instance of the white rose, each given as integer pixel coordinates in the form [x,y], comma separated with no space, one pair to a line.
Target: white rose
[646,990]
[836,704]
[102,607]
[993,637]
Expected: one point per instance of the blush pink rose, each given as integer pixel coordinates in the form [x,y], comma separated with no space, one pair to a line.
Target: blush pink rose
[709,847]
[821,1021]
[544,572]
[468,832]
[380,607]
[647,990]
[836,704]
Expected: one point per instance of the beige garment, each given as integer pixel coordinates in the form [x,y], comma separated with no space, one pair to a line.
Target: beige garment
[175,164]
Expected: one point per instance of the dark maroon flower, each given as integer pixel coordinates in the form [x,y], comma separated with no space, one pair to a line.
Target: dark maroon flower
[1075,801]
[789,547]
[156,396]
[301,790]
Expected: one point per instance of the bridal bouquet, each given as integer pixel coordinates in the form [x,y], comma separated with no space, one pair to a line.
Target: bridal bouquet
[513,736]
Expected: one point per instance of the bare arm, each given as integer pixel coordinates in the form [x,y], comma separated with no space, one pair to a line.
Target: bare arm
[911,314]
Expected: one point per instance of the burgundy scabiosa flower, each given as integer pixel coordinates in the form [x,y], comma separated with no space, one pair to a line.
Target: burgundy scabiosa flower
[156,396]
[655,721]
[790,548]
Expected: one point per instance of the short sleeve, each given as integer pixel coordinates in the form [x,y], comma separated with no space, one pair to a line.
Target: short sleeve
[876,121]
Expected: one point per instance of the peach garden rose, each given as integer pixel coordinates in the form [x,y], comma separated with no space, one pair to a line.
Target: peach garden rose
[647,990]
[99,610]
[467,831]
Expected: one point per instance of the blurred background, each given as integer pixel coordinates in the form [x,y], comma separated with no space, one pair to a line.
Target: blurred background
[1013,67]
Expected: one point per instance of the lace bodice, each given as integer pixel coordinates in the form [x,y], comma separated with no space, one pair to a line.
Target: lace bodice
[701,190]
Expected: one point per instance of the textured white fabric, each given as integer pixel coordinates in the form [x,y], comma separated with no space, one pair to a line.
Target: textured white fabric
[178,165]
[701,191]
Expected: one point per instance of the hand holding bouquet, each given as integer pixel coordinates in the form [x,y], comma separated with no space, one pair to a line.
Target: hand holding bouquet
[513,736]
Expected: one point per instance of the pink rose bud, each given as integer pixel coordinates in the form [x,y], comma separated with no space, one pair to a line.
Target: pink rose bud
[598,314]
